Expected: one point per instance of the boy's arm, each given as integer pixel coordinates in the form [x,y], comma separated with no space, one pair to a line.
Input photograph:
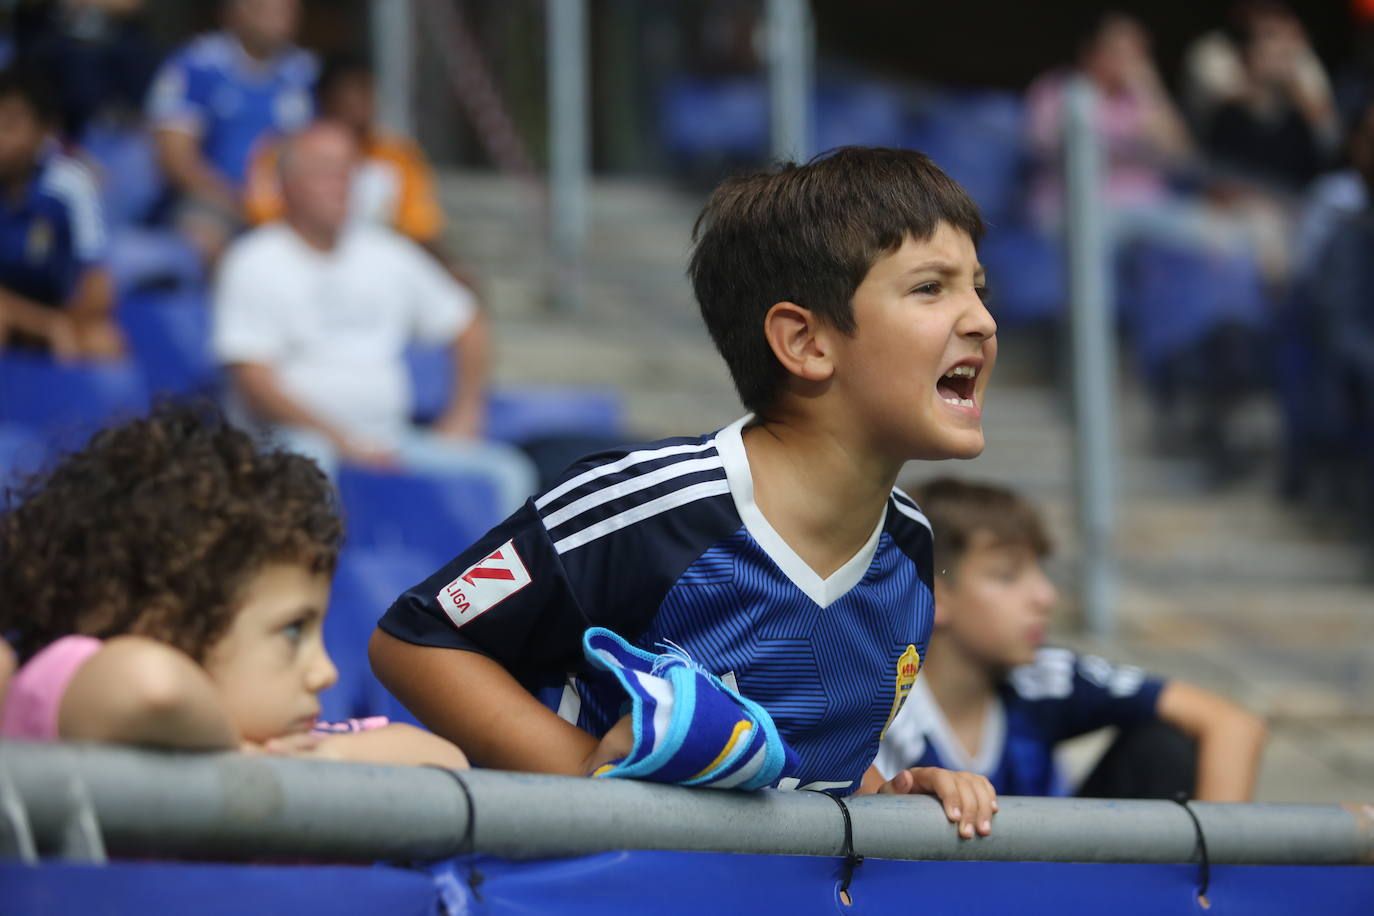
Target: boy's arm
[1229,740]
[475,703]
[139,691]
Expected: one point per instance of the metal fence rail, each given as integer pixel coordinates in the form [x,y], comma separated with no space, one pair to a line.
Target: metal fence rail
[237,807]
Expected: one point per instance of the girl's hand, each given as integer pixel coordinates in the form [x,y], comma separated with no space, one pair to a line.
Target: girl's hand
[969,800]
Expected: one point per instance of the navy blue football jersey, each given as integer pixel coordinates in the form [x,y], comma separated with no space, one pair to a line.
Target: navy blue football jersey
[664,545]
[1059,696]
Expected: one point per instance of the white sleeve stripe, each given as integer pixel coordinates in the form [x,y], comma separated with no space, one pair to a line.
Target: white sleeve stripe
[912,513]
[626,487]
[74,185]
[633,458]
[640,513]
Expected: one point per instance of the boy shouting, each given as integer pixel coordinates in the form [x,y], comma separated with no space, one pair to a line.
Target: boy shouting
[845,296]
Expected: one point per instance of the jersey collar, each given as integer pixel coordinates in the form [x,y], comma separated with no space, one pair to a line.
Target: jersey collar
[824,592]
[947,744]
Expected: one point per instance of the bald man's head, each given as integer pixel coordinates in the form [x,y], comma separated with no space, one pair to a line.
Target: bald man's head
[316,171]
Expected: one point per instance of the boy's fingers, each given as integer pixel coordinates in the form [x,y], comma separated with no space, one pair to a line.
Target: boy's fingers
[970,812]
[983,789]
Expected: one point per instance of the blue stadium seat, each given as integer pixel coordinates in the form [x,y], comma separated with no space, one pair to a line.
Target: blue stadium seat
[65,404]
[130,180]
[518,414]
[864,114]
[699,117]
[431,515]
[169,334]
[978,138]
[366,584]
[1026,275]
[1175,297]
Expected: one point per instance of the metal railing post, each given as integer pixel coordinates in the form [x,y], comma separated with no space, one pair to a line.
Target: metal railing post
[1093,349]
[791,63]
[393,54]
[569,146]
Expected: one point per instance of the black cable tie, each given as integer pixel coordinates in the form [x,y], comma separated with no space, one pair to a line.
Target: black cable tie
[1204,867]
[467,845]
[851,860]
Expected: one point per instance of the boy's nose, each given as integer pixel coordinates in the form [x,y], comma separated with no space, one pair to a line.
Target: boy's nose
[977,321]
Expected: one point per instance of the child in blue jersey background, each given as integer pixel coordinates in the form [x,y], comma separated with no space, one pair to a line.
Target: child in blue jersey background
[995,701]
[845,296]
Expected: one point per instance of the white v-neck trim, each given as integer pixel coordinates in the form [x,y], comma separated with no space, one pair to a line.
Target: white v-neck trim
[825,592]
[947,744]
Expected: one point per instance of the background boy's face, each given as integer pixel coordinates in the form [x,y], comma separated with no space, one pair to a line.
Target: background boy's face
[920,316]
[352,101]
[996,604]
[21,137]
[271,665]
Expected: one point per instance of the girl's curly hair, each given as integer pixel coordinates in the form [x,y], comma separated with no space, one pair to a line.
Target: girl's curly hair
[154,528]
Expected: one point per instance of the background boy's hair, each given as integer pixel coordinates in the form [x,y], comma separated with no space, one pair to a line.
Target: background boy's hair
[958,510]
[35,88]
[340,67]
[154,528]
[809,234]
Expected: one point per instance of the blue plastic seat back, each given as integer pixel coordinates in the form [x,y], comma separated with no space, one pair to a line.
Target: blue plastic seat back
[169,335]
[366,584]
[978,139]
[435,516]
[1026,275]
[1178,296]
[65,404]
[857,114]
[517,414]
[130,181]
[714,117]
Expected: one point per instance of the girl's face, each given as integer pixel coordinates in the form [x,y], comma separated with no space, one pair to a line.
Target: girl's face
[271,665]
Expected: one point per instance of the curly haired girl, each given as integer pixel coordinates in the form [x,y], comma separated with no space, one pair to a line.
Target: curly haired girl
[167,586]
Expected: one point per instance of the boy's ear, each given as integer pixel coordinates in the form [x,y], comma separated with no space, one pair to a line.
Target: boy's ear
[799,340]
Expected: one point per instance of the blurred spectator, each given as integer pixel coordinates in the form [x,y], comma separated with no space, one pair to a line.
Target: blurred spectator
[393,185]
[55,292]
[1334,198]
[1277,122]
[1143,135]
[217,97]
[312,317]
[97,52]
[1147,145]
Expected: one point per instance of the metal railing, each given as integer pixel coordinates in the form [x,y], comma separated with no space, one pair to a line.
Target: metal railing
[78,802]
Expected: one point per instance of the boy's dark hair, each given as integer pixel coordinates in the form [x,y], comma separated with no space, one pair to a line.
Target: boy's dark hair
[959,510]
[339,67]
[153,529]
[34,88]
[809,234]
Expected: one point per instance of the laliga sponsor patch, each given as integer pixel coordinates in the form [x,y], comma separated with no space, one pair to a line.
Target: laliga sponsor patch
[487,583]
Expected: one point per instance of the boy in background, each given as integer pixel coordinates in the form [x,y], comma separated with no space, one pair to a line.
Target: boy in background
[845,296]
[996,702]
[55,290]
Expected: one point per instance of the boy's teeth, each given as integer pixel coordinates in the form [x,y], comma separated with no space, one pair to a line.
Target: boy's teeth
[962,372]
[959,402]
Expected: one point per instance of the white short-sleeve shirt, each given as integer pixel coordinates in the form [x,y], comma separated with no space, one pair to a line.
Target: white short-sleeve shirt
[334,325]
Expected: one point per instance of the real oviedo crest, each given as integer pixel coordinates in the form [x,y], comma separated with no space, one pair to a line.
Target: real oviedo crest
[908,666]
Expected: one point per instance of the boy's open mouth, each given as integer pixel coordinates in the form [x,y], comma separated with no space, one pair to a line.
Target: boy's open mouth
[956,386]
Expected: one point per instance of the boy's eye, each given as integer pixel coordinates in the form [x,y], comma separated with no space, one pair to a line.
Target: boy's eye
[928,289]
[983,292]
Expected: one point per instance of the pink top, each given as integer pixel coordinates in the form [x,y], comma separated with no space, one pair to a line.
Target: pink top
[36,690]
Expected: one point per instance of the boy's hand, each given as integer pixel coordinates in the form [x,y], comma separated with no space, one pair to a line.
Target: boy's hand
[615,745]
[969,799]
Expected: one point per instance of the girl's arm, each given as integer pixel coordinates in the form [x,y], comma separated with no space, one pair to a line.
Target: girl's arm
[400,744]
[139,691]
